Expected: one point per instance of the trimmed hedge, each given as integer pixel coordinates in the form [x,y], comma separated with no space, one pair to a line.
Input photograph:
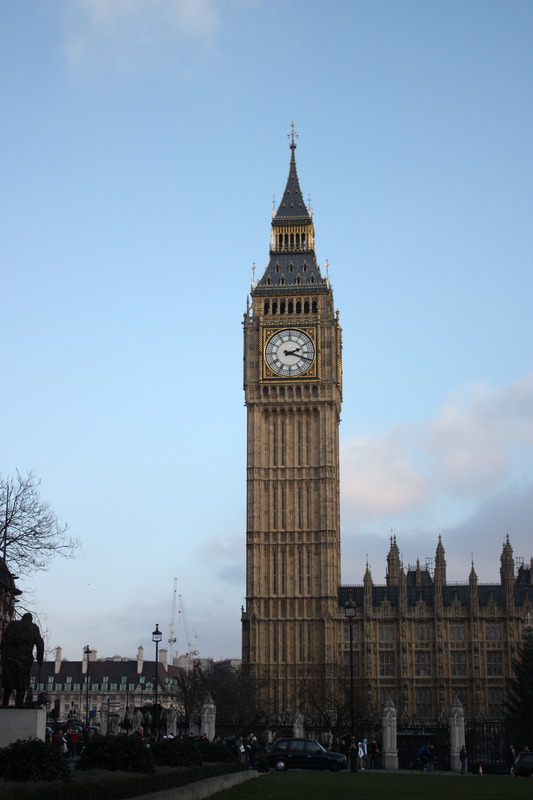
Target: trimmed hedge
[32,760]
[177,753]
[124,753]
[215,752]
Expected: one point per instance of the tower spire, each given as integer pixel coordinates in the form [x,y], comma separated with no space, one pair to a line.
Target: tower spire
[292,240]
[292,135]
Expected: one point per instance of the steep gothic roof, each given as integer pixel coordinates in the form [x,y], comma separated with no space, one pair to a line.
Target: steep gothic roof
[292,265]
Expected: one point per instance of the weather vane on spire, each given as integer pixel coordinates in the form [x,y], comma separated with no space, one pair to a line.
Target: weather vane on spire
[293,135]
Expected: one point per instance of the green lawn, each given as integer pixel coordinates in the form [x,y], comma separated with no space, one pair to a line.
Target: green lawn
[309,785]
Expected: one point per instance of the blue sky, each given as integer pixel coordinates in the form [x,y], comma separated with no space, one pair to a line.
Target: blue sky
[142,144]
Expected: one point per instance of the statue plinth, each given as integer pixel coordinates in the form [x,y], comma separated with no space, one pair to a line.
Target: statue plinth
[22,723]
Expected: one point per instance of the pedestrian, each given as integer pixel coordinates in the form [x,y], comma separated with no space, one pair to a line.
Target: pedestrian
[253,753]
[426,756]
[241,749]
[462,758]
[511,755]
[365,754]
[371,753]
[361,754]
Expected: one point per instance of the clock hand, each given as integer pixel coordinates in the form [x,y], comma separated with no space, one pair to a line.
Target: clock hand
[293,353]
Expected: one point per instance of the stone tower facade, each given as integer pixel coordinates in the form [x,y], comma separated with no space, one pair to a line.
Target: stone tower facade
[293,392]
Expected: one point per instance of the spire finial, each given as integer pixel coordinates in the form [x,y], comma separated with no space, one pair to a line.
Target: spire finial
[292,135]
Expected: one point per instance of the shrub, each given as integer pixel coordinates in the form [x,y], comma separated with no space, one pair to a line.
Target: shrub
[177,753]
[32,760]
[215,752]
[116,753]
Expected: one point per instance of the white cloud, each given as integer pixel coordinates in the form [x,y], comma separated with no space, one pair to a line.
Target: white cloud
[132,34]
[377,476]
[468,451]
[473,440]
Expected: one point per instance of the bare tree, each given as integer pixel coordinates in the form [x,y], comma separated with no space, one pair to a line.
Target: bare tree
[30,532]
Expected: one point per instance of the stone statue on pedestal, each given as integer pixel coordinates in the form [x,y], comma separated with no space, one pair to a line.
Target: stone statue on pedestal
[18,641]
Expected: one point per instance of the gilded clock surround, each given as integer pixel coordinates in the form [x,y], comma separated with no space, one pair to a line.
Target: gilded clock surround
[313,371]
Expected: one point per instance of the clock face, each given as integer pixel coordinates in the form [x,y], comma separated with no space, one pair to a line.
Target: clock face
[290,352]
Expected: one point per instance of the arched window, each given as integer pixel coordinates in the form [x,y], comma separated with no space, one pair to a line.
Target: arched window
[282,306]
[290,307]
[267,307]
[315,307]
[298,302]
[306,307]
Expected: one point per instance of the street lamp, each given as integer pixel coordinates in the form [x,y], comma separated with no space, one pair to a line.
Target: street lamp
[87,651]
[156,637]
[349,612]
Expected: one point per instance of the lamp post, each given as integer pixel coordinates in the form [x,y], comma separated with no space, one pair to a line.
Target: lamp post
[87,651]
[156,637]
[349,612]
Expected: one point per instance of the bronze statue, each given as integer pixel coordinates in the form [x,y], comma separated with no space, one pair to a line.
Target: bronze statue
[18,641]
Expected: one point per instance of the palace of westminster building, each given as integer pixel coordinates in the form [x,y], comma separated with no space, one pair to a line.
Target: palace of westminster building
[416,639]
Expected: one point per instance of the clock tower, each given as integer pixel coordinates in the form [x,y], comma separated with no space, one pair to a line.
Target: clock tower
[293,393]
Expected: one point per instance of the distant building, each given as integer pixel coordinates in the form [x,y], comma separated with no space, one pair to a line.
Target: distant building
[116,693]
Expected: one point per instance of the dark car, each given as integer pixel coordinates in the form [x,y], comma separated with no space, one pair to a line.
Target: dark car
[303,754]
[523,764]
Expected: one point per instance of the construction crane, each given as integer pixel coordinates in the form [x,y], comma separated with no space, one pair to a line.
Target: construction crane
[193,651]
[171,634]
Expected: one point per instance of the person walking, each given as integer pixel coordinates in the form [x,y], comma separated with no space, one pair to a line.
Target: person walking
[462,758]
